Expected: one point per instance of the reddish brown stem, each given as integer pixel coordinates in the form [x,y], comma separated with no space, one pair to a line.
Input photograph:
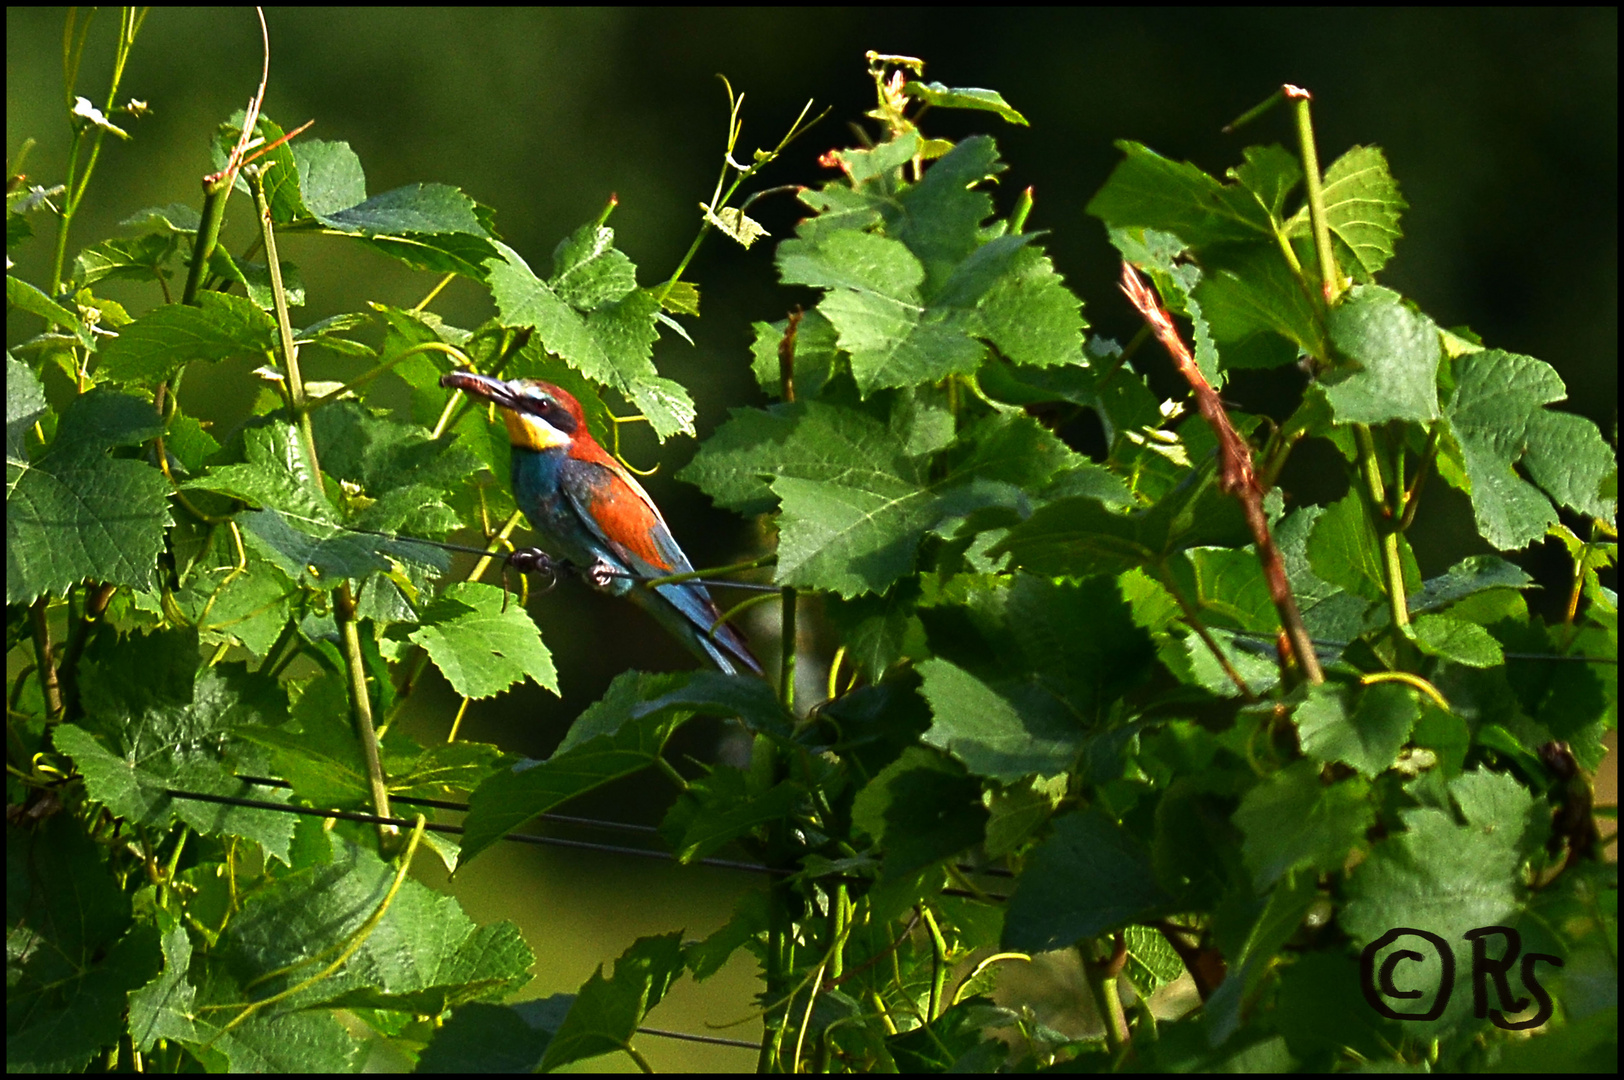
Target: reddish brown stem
[786,356]
[1235,474]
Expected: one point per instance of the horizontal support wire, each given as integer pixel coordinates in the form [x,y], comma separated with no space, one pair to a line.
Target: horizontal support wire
[714,1040]
[550,841]
[532,838]
[1331,646]
[375,819]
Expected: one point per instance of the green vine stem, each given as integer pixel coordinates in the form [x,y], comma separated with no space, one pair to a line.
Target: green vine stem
[1330,281]
[343,598]
[73,49]
[1193,617]
[938,963]
[361,701]
[1385,522]
[365,377]
[216,192]
[719,198]
[298,405]
[1102,982]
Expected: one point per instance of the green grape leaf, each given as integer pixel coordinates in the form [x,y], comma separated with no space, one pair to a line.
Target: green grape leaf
[1366,734]
[409,476]
[941,215]
[1022,693]
[141,258]
[619,735]
[73,954]
[611,345]
[1149,190]
[1250,289]
[944,97]
[255,278]
[1270,173]
[29,298]
[276,475]
[152,348]
[1294,820]
[861,166]
[25,407]
[921,809]
[277,167]
[815,353]
[163,1008]
[1362,209]
[732,466]
[855,506]
[1324,1014]
[1472,575]
[993,735]
[1445,878]
[269,1041]
[481,648]
[1568,457]
[481,1037]
[1229,583]
[1089,877]
[1455,639]
[1342,549]
[330,176]
[1079,536]
[1496,416]
[1393,354]
[180,737]
[588,270]
[1031,316]
[1252,958]
[424,955]
[876,309]
[607,1010]
[74,513]
[414,209]
[178,218]
[878,630]
[721,807]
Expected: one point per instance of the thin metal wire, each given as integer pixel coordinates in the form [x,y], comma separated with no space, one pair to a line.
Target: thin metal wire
[462,808]
[540,562]
[375,819]
[532,838]
[715,1040]
[457,830]
[569,819]
[1320,643]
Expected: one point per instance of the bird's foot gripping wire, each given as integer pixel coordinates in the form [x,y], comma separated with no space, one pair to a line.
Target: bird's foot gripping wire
[600,575]
[531,561]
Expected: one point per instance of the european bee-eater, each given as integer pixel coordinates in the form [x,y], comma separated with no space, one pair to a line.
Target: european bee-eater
[596,515]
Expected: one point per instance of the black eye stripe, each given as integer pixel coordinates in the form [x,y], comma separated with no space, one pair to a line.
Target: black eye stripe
[552,411]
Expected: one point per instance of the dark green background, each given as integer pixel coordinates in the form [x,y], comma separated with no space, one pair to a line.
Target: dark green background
[1500,125]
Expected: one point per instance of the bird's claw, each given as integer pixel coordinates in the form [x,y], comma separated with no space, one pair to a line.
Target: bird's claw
[531,561]
[601,574]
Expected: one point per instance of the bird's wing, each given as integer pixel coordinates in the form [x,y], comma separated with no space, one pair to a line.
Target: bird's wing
[616,509]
